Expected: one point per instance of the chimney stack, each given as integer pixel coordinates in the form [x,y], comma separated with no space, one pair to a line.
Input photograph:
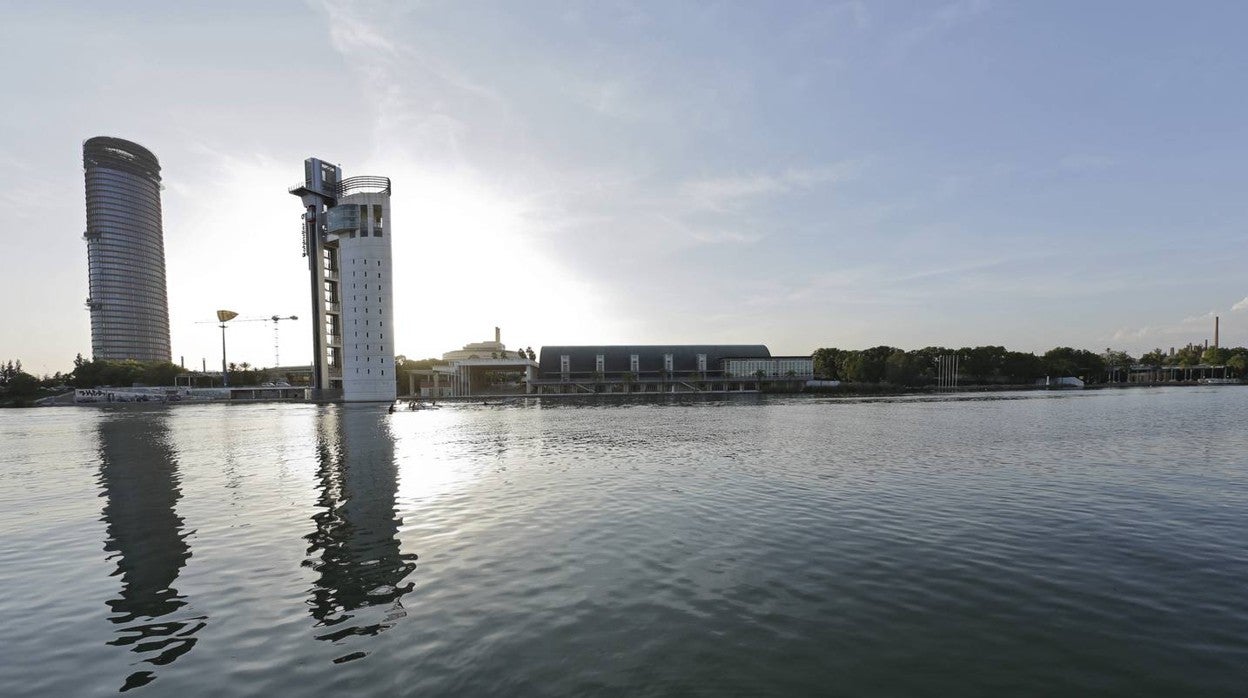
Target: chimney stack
[1216,321]
[498,335]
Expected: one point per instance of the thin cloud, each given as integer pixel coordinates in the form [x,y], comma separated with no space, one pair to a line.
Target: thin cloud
[1242,305]
[1085,162]
[1199,319]
[718,237]
[350,33]
[731,192]
[942,20]
[1129,335]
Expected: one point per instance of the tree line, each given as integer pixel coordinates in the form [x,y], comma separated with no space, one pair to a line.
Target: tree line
[17,387]
[986,365]
[996,365]
[1194,354]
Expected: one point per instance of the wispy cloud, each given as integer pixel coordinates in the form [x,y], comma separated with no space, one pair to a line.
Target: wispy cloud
[832,16]
[352,33]
[416,99]
[1185,330]
[1242,305]
[731,192]
[943,19]
[1198,319]
[1085,162]
[1124,334]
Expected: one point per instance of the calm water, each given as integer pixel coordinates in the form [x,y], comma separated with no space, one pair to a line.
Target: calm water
[1054,544]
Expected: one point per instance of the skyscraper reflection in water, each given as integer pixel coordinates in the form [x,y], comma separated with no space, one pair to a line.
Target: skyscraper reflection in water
[355,547]
[139,479]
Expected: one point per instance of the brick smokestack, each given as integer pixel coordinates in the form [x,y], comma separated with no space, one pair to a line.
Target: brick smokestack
[1216,321]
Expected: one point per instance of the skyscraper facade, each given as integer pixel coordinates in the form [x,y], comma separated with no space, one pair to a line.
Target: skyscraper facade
[125,252]
[346,228]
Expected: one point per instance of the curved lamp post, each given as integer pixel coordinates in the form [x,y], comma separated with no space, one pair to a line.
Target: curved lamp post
[224,316]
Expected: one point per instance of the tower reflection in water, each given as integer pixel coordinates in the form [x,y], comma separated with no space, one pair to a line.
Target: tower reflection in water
[355,548]
[139,481]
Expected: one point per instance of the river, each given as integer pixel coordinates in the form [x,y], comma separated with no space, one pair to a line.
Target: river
[1073,543]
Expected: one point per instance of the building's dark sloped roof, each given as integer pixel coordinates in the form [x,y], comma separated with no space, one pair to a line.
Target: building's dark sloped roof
[684,356]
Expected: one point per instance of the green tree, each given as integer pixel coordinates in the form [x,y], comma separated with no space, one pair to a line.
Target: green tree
[829,362]
[403,365]
[925,361]
[866,366]
[1020,367]
[981,364]
[1187,356]
[1118,359]
[901,368]
[851,367]
[94,374]
[1118,364]
[1238,364]
[161,373]
[17,385]
[1215,356]
[1156,357]
[1081,363]
[22,385]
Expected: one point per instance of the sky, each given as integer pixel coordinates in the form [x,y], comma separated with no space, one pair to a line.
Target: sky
[848,174]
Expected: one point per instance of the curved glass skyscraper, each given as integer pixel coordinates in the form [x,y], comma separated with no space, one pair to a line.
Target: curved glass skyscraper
[125,252]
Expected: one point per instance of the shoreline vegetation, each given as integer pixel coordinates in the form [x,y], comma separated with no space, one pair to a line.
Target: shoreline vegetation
[995,365]
[881,370]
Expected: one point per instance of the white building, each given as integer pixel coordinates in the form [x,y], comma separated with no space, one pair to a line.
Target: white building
[360,224]
[347,240]
[482,350]
[773,367]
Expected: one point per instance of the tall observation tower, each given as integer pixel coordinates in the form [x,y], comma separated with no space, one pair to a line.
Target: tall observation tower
[346,238]
[125,252]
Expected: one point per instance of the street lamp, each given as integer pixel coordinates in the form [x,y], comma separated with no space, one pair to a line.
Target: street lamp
[224,316]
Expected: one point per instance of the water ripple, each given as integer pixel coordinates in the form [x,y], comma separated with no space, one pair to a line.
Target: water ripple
[1086,544]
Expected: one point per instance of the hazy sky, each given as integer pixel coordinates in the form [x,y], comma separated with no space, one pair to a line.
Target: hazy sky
[845,174]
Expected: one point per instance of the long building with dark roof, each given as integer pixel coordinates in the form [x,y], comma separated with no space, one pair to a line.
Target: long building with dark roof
[659,368]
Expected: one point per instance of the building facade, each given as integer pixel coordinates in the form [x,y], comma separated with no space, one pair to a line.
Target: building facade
[347,241]
[128,299]
[802,367]
[650,368]
[483,350]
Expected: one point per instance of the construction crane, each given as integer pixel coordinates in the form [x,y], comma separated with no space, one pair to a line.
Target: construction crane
[275,319]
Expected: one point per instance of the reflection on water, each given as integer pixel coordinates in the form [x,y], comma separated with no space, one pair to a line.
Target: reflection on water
[139,479]
[1089,544]
[355,548]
